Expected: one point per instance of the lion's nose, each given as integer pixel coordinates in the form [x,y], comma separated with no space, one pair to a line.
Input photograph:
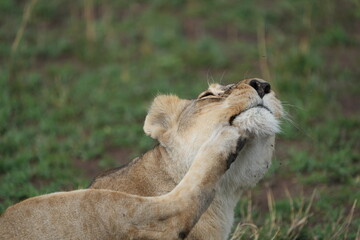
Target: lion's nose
[262,88]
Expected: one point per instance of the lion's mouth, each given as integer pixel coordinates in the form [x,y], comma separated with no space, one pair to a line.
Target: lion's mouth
[260,106]
[232,118]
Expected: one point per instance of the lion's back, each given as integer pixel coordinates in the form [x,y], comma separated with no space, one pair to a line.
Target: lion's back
[143,176]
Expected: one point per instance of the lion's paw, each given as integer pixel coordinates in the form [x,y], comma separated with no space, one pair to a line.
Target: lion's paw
[227,141]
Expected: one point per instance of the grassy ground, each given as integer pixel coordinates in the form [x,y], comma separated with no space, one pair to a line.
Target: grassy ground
[76,78]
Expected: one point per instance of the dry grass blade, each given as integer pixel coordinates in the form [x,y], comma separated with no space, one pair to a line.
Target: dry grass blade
[300,219]
[272,210]
[89,19]
[275,235]
[242,228]
[291,201]
[344,228]
[249,208]
[349,219]
[25,19]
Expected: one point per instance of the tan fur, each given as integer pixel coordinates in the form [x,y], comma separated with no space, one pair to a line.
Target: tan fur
[181,127]
[106,214]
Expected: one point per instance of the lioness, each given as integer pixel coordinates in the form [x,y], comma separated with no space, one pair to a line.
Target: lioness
[106,214]
[182,126]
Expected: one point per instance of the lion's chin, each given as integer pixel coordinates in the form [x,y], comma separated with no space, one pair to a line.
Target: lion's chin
[257,121]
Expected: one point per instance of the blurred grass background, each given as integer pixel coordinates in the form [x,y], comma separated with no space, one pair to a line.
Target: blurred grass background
[76,78]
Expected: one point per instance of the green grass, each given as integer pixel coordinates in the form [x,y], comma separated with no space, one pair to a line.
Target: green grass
[75,90]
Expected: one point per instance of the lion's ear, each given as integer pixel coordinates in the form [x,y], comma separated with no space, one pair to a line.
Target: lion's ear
[162,115]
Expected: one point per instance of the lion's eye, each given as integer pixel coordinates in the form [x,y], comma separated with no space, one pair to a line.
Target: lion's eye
[206,94]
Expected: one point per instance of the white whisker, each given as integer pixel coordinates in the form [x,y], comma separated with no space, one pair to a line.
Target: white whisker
[222,76]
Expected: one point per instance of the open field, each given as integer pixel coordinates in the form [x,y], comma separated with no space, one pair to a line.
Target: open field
[76,78]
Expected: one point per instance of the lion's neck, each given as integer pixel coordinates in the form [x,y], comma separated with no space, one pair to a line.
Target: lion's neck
[176,163]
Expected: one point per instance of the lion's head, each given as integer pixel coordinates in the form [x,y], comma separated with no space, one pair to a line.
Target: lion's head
[182,126]
[250,105]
